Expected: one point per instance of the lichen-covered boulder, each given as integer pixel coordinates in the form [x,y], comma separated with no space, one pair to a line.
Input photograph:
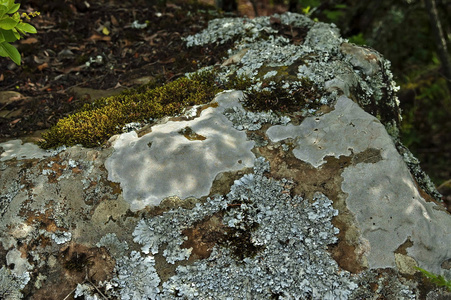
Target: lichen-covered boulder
[319,201]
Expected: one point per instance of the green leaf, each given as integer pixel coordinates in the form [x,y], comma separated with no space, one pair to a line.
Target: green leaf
[14,8]
[3,10]
[8,23]
[9,35]
[437,279]
[10,52]
[16,34]
[25,27]
[8,3]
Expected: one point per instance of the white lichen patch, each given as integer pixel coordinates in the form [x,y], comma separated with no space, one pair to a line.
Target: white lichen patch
[61,237]
[20,265]
[136,278]
[16,149]
[291,261]
[225,29]
[248,120]
[390,211]
[382,195]
[347,129]
[164,163]
[87,291]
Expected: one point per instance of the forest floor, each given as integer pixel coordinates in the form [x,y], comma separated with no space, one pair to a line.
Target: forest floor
[79,48]
[87,50]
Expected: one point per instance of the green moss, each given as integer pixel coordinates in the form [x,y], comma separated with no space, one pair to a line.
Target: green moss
[98,121]
[274,95]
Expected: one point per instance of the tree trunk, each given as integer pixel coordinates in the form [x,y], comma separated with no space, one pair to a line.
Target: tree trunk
[440,41]
[227,5]
[254,6]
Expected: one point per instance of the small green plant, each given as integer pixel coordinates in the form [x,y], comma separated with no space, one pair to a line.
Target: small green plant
[12,27]
[437,279]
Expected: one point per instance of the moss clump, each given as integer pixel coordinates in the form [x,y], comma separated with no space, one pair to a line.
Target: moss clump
[98,121]
[276,94]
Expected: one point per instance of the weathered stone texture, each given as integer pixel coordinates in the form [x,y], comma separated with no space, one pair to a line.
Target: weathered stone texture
[223,203]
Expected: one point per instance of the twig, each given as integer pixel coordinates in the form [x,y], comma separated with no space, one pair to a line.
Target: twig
[91,283]
[65,298]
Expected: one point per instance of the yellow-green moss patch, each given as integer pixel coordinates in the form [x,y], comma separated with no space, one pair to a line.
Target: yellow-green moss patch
[98,121]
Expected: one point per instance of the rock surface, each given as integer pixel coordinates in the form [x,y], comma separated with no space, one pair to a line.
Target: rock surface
[224,203]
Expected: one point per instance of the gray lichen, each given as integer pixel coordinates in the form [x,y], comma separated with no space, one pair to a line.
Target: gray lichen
[324,57]
[61,237]
[11,285]
[292,260]
[247,120]
[87,291]
[115,247]
[136,278]
[6,198]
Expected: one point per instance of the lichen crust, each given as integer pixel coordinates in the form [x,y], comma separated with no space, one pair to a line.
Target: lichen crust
[165,163]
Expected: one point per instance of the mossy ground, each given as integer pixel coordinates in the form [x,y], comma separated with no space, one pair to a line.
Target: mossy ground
[98,121]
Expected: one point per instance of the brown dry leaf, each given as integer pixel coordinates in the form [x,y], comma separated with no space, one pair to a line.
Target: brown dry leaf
[98,37]
[169,61]
[235,58]
[14,122]
[114,21]
[71,69]
[43,66]
[151,38]
[126,43]
[30,40]
[2,77]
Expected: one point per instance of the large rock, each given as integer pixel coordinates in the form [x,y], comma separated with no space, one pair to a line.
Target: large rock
[225,203]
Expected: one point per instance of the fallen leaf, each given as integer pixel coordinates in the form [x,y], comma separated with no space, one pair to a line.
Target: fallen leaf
[43,66]
[98,37]
[28,41]
[235,58]
[169,61]
[105,31]
[114,21]
[14,122]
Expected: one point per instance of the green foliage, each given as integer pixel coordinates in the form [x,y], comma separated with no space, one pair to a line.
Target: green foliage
[358,39]
[98,121]
[430,109]
[309,3]
[437,279]
[12,27]
[336,13]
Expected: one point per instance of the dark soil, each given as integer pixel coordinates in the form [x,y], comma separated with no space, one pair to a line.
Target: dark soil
[70,35]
